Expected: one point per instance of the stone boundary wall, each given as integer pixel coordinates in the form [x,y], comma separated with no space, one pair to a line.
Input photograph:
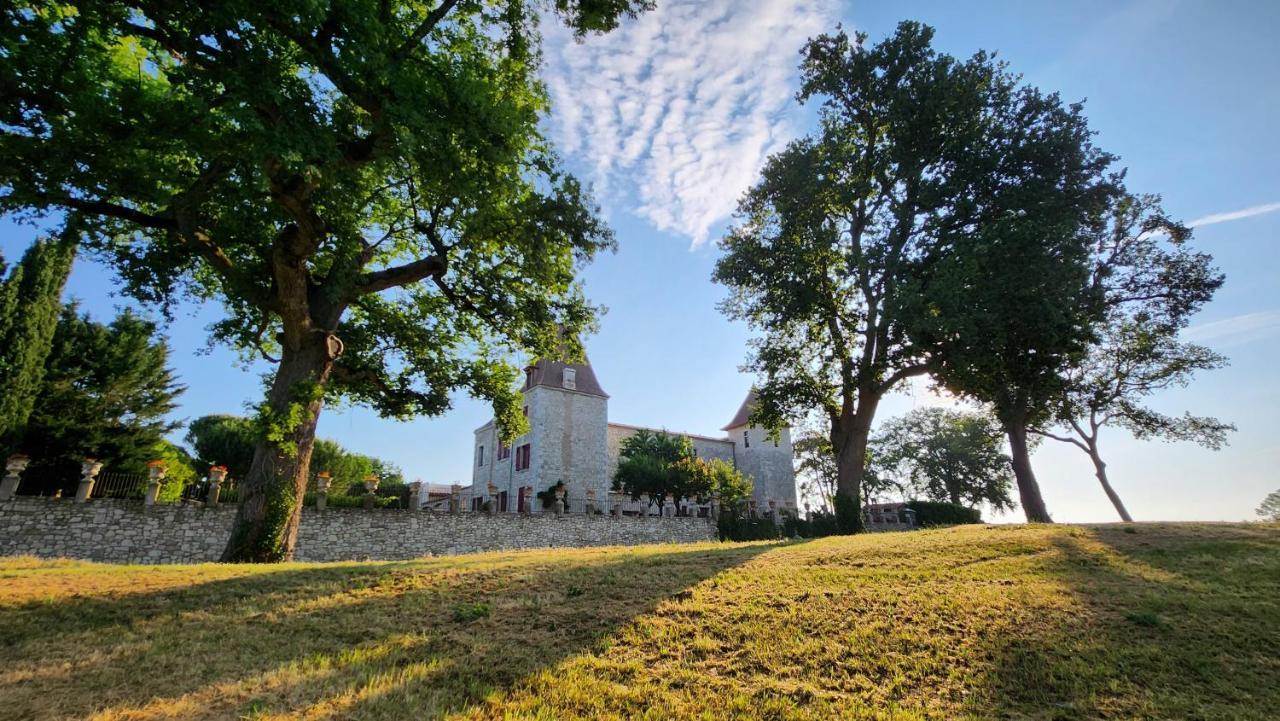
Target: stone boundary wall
[129,532]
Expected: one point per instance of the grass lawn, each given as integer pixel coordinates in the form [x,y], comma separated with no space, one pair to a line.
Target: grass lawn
[1059,622]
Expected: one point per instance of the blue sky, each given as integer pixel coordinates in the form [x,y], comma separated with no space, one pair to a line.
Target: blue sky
[670,118]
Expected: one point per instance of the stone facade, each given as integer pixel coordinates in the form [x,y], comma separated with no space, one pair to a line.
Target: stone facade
[572,440]
[128,532]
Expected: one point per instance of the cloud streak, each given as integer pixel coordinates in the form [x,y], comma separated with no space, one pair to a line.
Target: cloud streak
[1235,215]
[676,112]
[1236,330]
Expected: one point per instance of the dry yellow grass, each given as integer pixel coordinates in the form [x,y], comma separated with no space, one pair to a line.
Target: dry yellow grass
[1061,622]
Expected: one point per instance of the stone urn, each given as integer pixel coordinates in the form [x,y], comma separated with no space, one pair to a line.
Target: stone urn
[323,481]
[88,475]
[370,490]
[217,474]
[14,467]
[155,479]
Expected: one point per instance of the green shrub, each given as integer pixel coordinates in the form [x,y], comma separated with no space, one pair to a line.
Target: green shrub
[472,611]
[735,528]
[817,525]
[341,501]
[933,513]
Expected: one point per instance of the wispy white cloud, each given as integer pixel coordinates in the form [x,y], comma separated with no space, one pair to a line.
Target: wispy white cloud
[676,111]
[1235,214]
[1244,328]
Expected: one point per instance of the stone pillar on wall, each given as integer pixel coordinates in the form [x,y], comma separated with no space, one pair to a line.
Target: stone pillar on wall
[217,474]
[14,466]
[323,478]
[415,496]
[455,498]
[88,474]
[370,490]
[155,479]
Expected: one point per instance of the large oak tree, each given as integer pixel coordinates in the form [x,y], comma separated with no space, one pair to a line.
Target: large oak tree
[361,183]
[836,240]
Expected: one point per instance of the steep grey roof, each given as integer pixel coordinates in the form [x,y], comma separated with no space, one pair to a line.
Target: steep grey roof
[551,374]
[743,416]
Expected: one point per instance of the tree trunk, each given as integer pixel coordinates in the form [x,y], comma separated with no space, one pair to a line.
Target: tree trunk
[266,525]
[1028,487]
[849,442]
[1100,470]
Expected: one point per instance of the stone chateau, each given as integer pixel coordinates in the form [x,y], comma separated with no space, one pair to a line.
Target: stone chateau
[572,440]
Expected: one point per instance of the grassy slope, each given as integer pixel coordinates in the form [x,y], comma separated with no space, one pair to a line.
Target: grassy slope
[1173,621]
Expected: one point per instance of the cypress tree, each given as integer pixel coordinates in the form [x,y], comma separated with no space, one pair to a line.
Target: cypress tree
[30,303]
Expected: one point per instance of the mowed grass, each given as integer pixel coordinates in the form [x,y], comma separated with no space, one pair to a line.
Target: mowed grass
[1058,622]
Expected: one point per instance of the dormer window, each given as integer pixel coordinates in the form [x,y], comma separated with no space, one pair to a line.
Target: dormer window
[528,377]
[570,378]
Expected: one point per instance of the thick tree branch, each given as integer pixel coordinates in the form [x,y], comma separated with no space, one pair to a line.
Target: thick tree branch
[426,26]
[903,373]
[401,275]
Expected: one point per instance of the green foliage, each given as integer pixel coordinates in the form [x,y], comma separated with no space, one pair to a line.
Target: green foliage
[1011,304]
[548,496]
[30,303]
[389,224]
[1269,509]
[735,527]
[179,467]
[817,525]
[714,478]
[223,440]
[1151,283]
[472,611]
[843,228]
[647,465]
[382,500]
[664,467]
[107,394]
[230,441]
[946,455]
[935,513]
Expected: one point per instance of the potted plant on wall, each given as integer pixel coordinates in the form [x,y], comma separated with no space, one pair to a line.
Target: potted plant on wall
[549,496]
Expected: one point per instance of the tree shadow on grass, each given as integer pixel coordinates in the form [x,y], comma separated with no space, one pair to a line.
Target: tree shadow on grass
[1162,623]
[392,640]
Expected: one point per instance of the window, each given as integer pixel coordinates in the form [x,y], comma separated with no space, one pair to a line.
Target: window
[480,456]
[504,451]
[522,457]
[528,377]
[746,439]
[570,380]
[525,411]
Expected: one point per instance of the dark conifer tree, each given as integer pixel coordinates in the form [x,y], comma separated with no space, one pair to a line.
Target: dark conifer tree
[30,301]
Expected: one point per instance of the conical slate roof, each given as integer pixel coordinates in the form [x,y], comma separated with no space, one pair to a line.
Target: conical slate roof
[743,416]
[551,374]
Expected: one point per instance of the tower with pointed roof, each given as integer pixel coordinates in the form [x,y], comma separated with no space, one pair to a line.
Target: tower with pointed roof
[766,461]
[572,441]
[568,414]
